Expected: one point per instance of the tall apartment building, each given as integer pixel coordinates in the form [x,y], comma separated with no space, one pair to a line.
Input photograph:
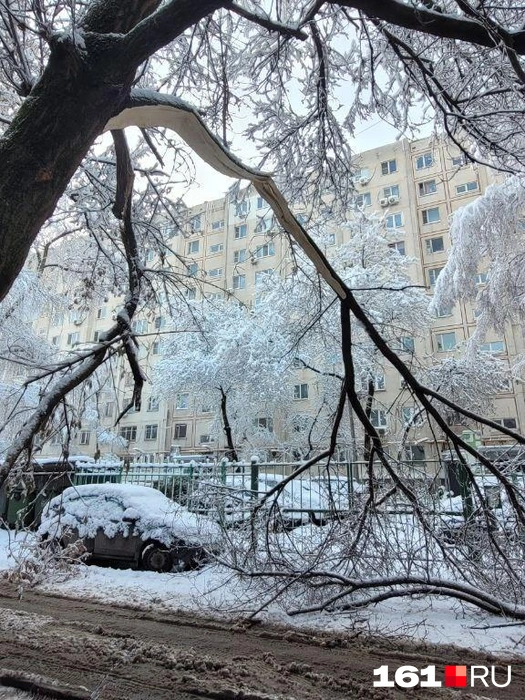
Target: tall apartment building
[417,184]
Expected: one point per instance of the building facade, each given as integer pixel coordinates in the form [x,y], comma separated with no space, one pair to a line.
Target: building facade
[230,244]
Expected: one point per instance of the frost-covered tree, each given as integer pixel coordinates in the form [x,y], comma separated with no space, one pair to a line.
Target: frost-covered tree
[72,71]
[234,360]
[381,281]
[488,239]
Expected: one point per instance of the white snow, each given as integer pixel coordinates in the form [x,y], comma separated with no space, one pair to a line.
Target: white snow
[215,591]
[125,508]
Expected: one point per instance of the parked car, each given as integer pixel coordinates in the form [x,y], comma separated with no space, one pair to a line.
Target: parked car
[136,525]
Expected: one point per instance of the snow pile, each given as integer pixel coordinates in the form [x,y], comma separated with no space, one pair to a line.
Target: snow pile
[125,509]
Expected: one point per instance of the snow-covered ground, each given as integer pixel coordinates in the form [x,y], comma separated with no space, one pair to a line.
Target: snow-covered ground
[214,590]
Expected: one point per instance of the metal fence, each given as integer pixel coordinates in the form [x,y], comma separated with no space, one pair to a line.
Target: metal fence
[230,491]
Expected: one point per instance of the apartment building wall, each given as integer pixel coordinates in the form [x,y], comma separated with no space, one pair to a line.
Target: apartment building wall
[229,244]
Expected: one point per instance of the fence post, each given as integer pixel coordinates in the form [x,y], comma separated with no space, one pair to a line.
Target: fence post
[254,478]
[350,479]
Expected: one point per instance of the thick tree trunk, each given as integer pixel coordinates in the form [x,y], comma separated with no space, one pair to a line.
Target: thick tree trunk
[47,140]
[81,88]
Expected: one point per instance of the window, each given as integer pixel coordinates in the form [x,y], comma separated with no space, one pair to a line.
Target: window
[57,319]
[406,343]
[412,416]
[427,187]
[264,225]
[388,167]
[459,161]
[261,203]
[425,160]
[433,273]
[217,225]
[216,248]
[331,240]
[445,341]
[192,269]
[156,347]
[435,245]
[215,272]
[153,403]
[399,246]
[179,431]
[300,391]
[431,216]
[443,311]
[56,339]
[75,316]
[85,437]
[193,247]
[362,173]
[56,438]
[378,418]
[109,409]
[151,432]
[129,432]
[494,346]
[73,338]
[301,218]
[378,379]
[263,251]
[241,208]
[239,281]
[262,275]
[160,322]
[239,256]
[467,187]
[169,231]
[510,423]
[150,254]
[394,220]
[182,401]
[481,278]
[96,337]
[204,439]
[190,293]
[101,312]
[240,231]
[206,409]
[196,223]
[363,200]
[139,326]
[264,423]
[392,191]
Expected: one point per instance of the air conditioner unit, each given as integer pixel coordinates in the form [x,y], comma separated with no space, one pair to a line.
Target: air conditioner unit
[78,322]
[253,260]
[363,181]
[393,199]
[383,201]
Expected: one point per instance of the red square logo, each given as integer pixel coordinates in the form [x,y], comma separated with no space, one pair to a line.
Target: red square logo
[455,676]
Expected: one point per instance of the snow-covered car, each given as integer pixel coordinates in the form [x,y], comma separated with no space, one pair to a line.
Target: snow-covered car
[136,525]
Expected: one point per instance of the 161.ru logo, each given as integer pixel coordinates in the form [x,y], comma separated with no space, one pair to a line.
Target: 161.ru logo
[455,677]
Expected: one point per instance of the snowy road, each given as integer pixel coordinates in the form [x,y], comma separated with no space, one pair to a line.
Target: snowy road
[106,652]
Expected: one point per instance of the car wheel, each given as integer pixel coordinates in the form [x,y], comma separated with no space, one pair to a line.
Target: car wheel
[157,558]
[187,558]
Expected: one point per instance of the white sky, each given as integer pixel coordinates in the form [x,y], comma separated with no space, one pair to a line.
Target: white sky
[211,185]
